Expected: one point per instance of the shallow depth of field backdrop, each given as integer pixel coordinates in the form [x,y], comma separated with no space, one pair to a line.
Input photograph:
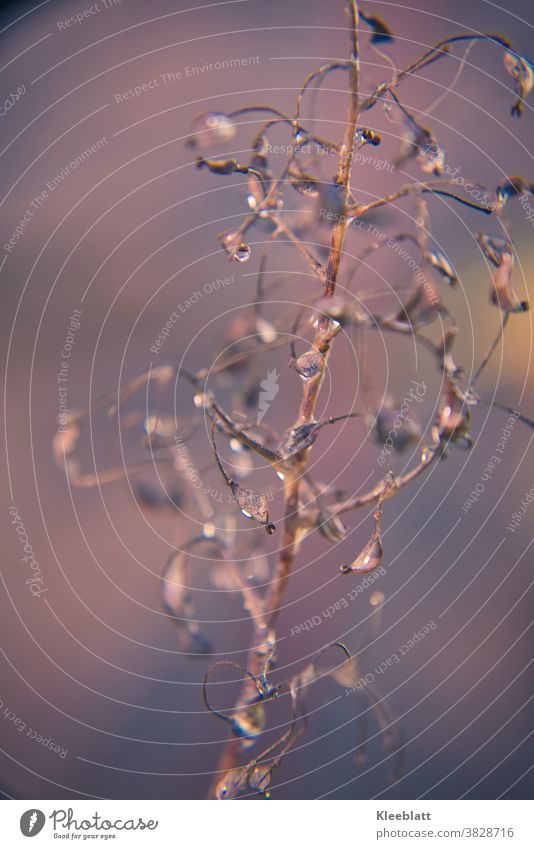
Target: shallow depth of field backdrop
[93,665]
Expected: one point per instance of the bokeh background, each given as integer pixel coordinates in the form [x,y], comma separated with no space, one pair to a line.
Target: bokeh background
[93,664]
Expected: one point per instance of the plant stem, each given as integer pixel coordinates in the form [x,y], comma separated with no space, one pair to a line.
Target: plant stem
[230,756]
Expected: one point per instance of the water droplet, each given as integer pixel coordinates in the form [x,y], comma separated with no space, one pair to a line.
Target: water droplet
[242,253]
[511,187]
[260,779]
[211,129]
[296,439]
[208,530]
[521,71]
[253,505]
[454,419]
[364,135]
[242,465]
[422,306]
[439,261]
[330,526]
[371,555]
[392,425]
[266,331]
[494,247]
[502,293]
[202,400]
[309,364]
[431,158]
[248,723]
[376,598]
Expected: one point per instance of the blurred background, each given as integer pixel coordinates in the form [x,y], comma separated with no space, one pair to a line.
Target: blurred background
[97,697]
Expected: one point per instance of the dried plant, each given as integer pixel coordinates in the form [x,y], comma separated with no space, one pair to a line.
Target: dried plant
[330,207]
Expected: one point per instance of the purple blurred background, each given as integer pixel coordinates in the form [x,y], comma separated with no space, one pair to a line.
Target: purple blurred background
[93,664]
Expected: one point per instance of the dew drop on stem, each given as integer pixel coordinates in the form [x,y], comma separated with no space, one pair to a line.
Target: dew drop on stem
[309,364]
[242,253]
